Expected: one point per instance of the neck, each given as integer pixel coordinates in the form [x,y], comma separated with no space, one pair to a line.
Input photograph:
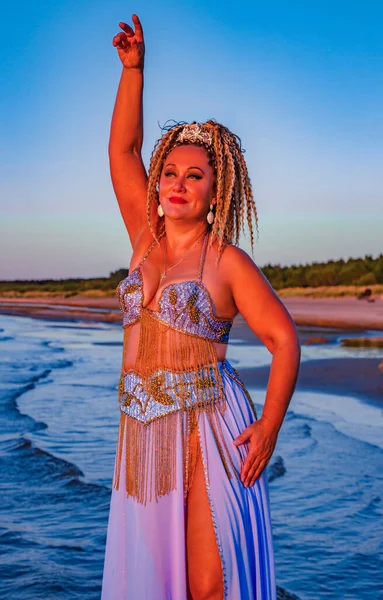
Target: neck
[181,236]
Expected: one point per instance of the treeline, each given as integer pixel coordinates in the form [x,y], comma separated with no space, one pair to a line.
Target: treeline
[65,287]
[354,271]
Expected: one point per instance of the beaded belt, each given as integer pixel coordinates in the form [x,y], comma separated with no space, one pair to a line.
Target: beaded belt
[150,441]
[165,391]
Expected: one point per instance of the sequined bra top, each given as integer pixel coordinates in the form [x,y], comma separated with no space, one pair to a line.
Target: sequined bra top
[185,306]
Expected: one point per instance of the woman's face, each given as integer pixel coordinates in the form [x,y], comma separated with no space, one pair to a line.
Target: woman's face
[187,184]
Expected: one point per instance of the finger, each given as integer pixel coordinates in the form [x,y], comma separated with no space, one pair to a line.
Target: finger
[247,465]
[258,472]
[138,28]
[246,433]
[127,28]
[251,472]
[120,40]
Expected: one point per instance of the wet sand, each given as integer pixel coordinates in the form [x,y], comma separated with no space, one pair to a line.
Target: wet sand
[336,312]
[64,309]
[356,377]
[326,318]
[344,313]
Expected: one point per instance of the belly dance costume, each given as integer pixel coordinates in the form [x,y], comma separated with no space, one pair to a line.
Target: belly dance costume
[178,403]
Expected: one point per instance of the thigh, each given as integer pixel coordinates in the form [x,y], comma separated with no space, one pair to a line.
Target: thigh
[205,575]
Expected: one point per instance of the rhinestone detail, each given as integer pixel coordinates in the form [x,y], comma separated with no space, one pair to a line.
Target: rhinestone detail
[185,305]
[163,392]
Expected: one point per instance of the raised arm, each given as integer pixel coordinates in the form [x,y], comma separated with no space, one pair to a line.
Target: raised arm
[129,177]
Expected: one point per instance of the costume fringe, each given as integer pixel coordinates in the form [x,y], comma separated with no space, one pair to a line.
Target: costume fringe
[193,385]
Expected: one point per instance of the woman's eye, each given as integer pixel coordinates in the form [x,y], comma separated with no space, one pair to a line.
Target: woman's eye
[191,175]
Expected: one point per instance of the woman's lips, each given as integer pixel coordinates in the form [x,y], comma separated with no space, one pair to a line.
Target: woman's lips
[177,200]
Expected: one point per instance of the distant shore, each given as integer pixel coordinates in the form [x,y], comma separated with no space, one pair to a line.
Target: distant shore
[343,313]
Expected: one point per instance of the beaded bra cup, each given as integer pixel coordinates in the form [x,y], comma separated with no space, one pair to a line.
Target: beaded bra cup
[185,305]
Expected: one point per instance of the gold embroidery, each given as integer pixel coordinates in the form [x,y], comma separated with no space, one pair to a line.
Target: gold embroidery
[173,296]
[192,300]
[201,285]
[131,288]
[194,314]
[128,400]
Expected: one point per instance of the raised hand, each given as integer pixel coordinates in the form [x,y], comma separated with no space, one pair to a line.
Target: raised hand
[130,44]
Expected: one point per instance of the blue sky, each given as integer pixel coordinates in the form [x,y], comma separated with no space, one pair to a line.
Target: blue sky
[300,83]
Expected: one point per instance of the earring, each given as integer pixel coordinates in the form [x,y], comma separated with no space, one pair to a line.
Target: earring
[160,211]
[210,215]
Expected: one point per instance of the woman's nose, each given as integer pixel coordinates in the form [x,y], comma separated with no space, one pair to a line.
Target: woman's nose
[179,184]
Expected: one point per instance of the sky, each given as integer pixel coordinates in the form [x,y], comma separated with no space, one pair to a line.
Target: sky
[301,83]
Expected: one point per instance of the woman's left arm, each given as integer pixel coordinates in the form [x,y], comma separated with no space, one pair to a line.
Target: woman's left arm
[269,319]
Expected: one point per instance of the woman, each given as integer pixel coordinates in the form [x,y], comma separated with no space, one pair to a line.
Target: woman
[189,514]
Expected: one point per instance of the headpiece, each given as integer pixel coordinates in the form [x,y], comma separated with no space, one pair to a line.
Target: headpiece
[195,133]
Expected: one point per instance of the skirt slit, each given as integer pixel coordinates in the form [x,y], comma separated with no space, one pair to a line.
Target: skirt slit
[145,552]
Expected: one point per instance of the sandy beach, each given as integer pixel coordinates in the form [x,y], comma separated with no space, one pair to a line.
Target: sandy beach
[343,313]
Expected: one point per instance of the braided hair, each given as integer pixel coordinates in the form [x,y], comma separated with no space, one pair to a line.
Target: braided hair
[233,188]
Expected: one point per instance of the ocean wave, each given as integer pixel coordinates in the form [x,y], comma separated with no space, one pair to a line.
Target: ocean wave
[67,468]
[283,594]
[60,469]
[306,430]
[276,469]
[49,344]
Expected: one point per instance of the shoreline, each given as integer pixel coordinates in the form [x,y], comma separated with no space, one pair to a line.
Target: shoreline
[360,378]
[342,313]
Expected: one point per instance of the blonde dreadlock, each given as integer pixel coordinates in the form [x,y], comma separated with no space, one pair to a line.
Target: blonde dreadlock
[233,188]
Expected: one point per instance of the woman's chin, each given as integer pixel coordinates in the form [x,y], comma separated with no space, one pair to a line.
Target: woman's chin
[176,212]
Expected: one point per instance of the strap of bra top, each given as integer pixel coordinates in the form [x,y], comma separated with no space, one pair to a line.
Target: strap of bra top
[148,251]
[203,256]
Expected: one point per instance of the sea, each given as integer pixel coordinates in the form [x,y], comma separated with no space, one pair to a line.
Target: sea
[58,435]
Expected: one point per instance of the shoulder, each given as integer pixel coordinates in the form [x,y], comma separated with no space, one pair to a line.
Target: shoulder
[235,263]
[233,255]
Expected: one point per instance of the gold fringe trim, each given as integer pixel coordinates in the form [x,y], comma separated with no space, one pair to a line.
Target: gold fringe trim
[150,453]
[193,385]
[150,465]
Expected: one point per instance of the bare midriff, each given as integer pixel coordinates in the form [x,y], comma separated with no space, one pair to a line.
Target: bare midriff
[131,343]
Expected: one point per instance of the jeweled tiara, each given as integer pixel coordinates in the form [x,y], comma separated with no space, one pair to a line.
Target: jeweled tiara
[195,133]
